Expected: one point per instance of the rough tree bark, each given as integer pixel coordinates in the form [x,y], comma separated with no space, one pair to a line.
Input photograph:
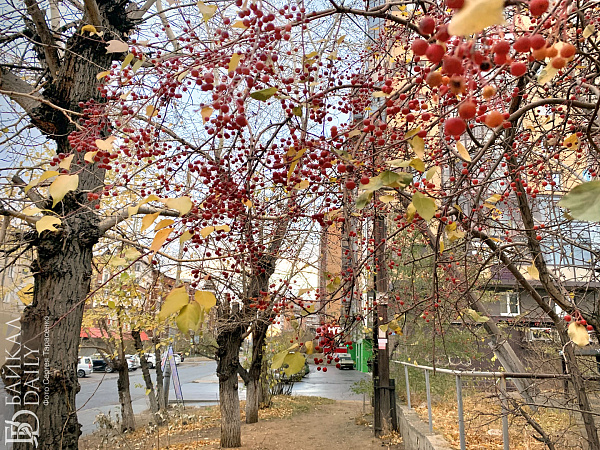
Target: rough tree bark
[154,409]
[229,340]
[127,417]
[63,266]
[253,384]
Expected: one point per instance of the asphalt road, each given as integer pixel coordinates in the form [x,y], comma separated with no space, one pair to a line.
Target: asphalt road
[198,383]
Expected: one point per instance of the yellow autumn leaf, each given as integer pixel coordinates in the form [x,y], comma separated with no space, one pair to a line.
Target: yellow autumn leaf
[148,220]
[387,199]
[206,231]
[533,272]
[248,203]
[233,62]
[151,111]
[163,224]
[117,46]
[47,223]
[206,112]
[182,75]
[105,144]
[89,157]
[578,334]
[101,75]
[295,163]
[462,151]
[239,24]
[441,247]
[127,61]
[173,303]
[25,294]
[63,184]
[302,185]
[417,164]
[494,199]
[89,28]
[181,204]
[47,174]
[31,211]
[207,11]
[185,236]
[547,74]
[66,162]
[310,347]
[475,16]
[160,238]
[571,141]
[431,173]
[418,145]
[205,299]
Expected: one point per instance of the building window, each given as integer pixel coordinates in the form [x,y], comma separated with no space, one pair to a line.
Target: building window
[511,305]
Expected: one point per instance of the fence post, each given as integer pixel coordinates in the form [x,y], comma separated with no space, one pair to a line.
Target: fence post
[407,387]
[505,438]
[428,401]
[461,419]
[393,412]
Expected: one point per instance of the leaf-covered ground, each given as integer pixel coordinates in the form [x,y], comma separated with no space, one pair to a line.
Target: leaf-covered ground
[301,423]
[483,425]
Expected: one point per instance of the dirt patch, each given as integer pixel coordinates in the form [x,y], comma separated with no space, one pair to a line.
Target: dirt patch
[303,423]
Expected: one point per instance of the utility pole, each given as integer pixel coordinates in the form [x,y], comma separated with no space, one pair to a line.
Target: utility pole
[381,370]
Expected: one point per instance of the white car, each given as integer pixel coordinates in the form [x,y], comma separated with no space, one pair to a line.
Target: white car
[84,366]
[133,361]
[151,359]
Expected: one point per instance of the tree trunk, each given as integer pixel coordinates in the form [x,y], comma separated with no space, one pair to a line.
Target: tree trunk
[147,378]
[127,417]
[229,341]
[159,376]
[40,372]
[252,400]
[259,333]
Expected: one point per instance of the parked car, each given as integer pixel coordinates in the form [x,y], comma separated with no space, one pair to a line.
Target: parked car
[133,361]
[84,366]
[181,355]
[101,365]
[178,359]
[150,359]
[345,361]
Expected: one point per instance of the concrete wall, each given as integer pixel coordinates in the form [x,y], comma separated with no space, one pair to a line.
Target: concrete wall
[415,433]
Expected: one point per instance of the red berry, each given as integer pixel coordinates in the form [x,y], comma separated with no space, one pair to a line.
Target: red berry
[455,4]
[590,328]
[364,180]
[501,47]
[467,110]
[442,34]
[419,47]
[435,53]
[567,50]
[538,7]
[537,41]
[350,184]
[518,69]
[567,318]
[453,65]
[455,126]
[324,369]
[341,168]
[427,25]
[522,45]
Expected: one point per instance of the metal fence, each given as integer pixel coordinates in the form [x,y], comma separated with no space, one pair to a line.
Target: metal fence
[459,375]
